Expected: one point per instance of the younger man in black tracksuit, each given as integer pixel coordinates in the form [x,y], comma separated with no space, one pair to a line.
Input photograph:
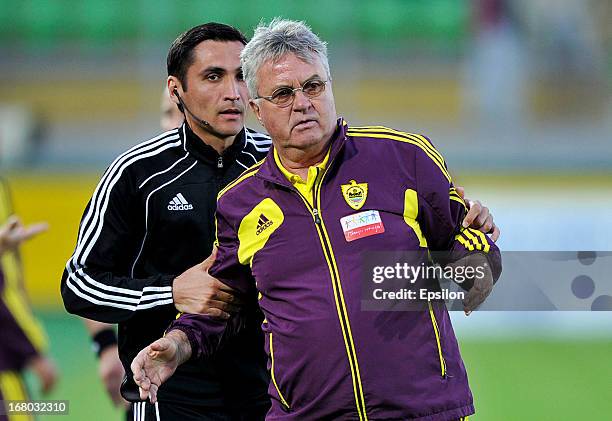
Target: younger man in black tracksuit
[151,219]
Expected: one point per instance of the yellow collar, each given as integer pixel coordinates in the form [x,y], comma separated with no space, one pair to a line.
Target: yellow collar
[294,178]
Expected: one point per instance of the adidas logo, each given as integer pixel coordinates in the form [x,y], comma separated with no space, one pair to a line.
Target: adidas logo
[179,203]
[263,223]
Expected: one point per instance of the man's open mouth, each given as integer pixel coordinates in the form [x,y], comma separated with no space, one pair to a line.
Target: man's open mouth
[231,111]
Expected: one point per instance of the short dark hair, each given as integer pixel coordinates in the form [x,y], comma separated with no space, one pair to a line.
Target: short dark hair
[180,56]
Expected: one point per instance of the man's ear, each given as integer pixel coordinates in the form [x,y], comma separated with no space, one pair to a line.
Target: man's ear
[174,85]
[256,111]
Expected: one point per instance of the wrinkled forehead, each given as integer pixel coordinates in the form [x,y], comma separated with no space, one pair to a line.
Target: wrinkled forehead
[288,69]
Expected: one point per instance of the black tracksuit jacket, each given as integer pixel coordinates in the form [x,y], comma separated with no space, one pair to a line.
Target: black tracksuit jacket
[150,218]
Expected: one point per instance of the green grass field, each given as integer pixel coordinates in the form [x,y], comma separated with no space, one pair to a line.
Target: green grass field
[511,379]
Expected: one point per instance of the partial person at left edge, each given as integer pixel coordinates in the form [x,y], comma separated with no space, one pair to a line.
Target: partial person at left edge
[23,343]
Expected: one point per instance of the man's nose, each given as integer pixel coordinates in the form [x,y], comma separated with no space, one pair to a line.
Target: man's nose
[300,101]
[232,92]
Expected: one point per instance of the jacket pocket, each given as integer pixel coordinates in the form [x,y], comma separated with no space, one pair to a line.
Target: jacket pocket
[436,330]
[273,374]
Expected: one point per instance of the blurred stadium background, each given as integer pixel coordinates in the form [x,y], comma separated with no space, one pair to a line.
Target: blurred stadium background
[515,93]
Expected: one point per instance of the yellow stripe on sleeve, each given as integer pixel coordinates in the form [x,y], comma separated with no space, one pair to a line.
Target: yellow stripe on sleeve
[417,143]
[483,239]
[458,199]
[474,240]
[465,243]
[422,139]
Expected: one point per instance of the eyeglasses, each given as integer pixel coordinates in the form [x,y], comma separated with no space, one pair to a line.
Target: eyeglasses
[283,97]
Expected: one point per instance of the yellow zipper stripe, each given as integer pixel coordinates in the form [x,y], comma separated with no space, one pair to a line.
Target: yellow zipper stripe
[280,395]
[341,294]
[437,332]
[347,321]
[338,310]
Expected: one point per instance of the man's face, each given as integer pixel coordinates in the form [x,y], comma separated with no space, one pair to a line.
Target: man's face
[216,91]
[306,122]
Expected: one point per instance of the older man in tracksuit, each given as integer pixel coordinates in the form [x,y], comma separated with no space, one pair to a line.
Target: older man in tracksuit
[296,229]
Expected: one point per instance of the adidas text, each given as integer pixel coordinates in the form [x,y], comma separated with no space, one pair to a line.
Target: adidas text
[180,207]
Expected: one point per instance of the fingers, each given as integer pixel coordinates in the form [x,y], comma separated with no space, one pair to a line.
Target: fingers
[471,301]
[147,386]
[220,286]
[474,210]
[153,393]
[460,191]
[46,372]
[479,292]
[47,385]
[12,222]
[49,379]
[496,233]
[34,229]
[13,233]
[113,385]
[137,367]
[223,306]
[482,219]
[143,394]
[485,223]
[468,302]
[208,262]
[217,313]
[479,217]
[159,345]
[111,372]
[116,397]
[229,297]
[148,390]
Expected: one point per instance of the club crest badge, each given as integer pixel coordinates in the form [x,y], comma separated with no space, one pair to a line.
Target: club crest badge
[355,194]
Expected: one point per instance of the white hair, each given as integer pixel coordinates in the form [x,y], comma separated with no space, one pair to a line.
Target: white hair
[271,42]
